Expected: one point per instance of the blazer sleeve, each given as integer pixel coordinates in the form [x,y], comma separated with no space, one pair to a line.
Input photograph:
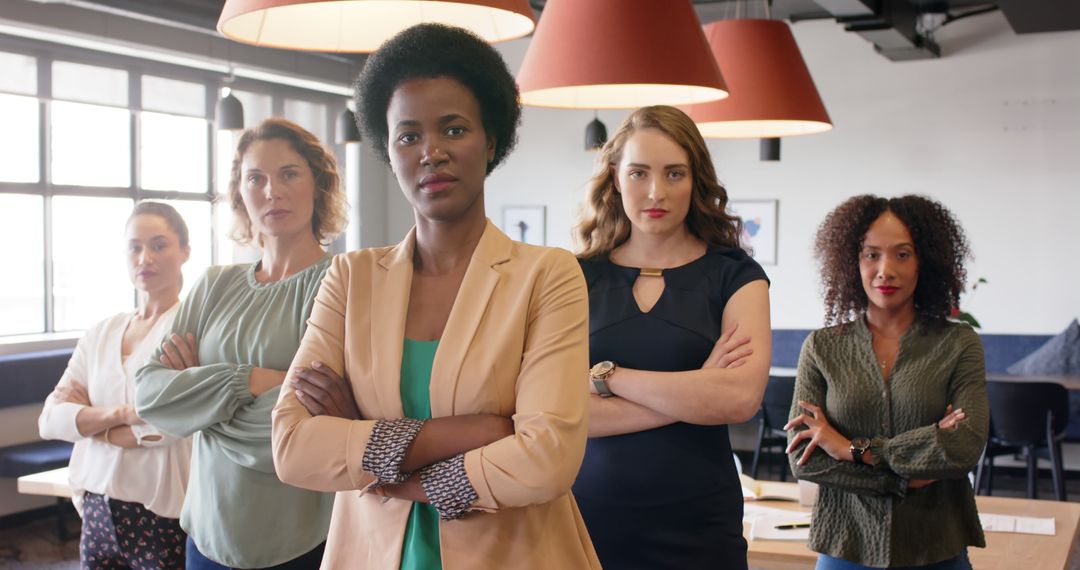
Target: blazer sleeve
[308,450]
[541,460]
[182,402]
[57,419]
[810,387]
[931,453]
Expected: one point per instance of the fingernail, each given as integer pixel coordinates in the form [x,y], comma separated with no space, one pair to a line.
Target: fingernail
[317,364]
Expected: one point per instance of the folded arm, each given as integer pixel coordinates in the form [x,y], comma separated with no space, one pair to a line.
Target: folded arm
[808,457]
[179,395]
[930,452]
[713,395]
[58,419]
[541,460]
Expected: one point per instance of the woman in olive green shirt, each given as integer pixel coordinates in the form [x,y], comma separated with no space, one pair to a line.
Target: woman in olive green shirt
[890,410]
[218,374]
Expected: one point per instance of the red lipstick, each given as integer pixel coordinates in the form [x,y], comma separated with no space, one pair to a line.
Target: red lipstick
[437,182]
[656,212]
[887,290]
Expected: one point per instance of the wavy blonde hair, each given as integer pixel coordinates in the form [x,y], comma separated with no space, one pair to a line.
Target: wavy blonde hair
[331,210]
[604,226]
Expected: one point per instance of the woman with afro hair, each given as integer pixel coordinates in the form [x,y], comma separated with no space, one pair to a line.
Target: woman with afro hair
[890,410]
[438,387]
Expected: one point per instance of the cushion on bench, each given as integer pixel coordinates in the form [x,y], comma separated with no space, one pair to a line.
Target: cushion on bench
[27,458]
[28,378]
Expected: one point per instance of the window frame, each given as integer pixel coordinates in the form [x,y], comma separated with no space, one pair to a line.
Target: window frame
[46,53]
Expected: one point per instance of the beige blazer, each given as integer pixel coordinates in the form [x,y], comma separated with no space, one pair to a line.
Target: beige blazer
[516,344]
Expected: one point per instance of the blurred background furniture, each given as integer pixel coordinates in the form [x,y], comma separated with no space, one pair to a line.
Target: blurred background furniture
[772,439]
[1029,418]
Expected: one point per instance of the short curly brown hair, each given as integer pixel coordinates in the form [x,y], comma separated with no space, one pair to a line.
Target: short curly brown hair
[940,247]
[331,207]
[427,51]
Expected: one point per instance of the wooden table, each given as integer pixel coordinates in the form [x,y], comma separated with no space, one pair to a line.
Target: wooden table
[1004,551]
[49,483]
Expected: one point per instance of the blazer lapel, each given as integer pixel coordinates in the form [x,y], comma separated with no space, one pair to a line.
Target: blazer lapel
[471,303]
[389,307]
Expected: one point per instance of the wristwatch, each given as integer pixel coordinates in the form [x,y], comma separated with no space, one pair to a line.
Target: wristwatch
[599,374]
[859,446]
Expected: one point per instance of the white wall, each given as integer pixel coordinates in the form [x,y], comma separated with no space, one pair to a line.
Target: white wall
[991,129]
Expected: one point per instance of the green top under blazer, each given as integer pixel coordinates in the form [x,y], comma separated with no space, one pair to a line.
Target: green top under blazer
[866,514]
[420,549]
[236,510]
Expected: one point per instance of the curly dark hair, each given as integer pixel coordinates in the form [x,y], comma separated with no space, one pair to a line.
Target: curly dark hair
[437,50]
[940,247]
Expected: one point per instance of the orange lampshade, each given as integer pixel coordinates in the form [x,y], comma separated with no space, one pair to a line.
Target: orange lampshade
[614,54]
[772,94]
[363,25]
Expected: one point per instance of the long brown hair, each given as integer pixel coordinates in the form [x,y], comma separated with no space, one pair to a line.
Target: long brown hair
[331,208]
[603,225]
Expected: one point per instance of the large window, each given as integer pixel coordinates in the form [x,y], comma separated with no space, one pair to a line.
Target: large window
[86,138]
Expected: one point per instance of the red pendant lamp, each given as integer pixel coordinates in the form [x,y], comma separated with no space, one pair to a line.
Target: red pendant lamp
[615,54]
[363,25]
[772,93]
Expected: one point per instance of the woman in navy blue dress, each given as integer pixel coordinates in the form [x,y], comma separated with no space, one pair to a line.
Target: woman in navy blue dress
[680,345]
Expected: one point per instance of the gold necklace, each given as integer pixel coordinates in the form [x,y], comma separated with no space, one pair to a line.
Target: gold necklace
[651,272]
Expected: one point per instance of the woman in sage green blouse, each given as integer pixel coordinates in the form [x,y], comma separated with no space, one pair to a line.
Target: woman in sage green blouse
[218,374]
[890,411]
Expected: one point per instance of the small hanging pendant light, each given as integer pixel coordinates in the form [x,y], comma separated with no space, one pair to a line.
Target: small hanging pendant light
[595,134]
[347,131]
[229,113]
[770,149]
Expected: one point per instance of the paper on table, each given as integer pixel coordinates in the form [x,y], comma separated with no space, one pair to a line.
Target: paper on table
[1022,525]
[767,490]
[764,527]
[754,511]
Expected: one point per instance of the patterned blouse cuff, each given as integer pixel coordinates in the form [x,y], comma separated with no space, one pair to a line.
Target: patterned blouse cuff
[386,448]
[447,487]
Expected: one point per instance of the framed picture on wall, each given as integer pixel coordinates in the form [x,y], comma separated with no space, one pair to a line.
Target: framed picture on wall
[527,224]
[760,229]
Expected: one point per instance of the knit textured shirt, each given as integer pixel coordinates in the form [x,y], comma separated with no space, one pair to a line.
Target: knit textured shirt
[866,513]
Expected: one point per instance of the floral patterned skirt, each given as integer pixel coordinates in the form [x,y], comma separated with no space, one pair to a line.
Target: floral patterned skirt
[118,534]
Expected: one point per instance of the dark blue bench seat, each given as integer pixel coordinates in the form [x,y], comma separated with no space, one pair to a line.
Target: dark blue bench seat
[28,378]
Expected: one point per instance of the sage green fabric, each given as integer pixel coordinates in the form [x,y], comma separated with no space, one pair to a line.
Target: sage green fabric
[420,551]
[866,514]
[236,510]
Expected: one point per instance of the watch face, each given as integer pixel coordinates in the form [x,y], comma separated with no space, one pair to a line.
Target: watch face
[602,368]
[860,443]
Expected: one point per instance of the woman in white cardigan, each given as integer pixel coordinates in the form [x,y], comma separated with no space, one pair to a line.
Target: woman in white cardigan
[127,479]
